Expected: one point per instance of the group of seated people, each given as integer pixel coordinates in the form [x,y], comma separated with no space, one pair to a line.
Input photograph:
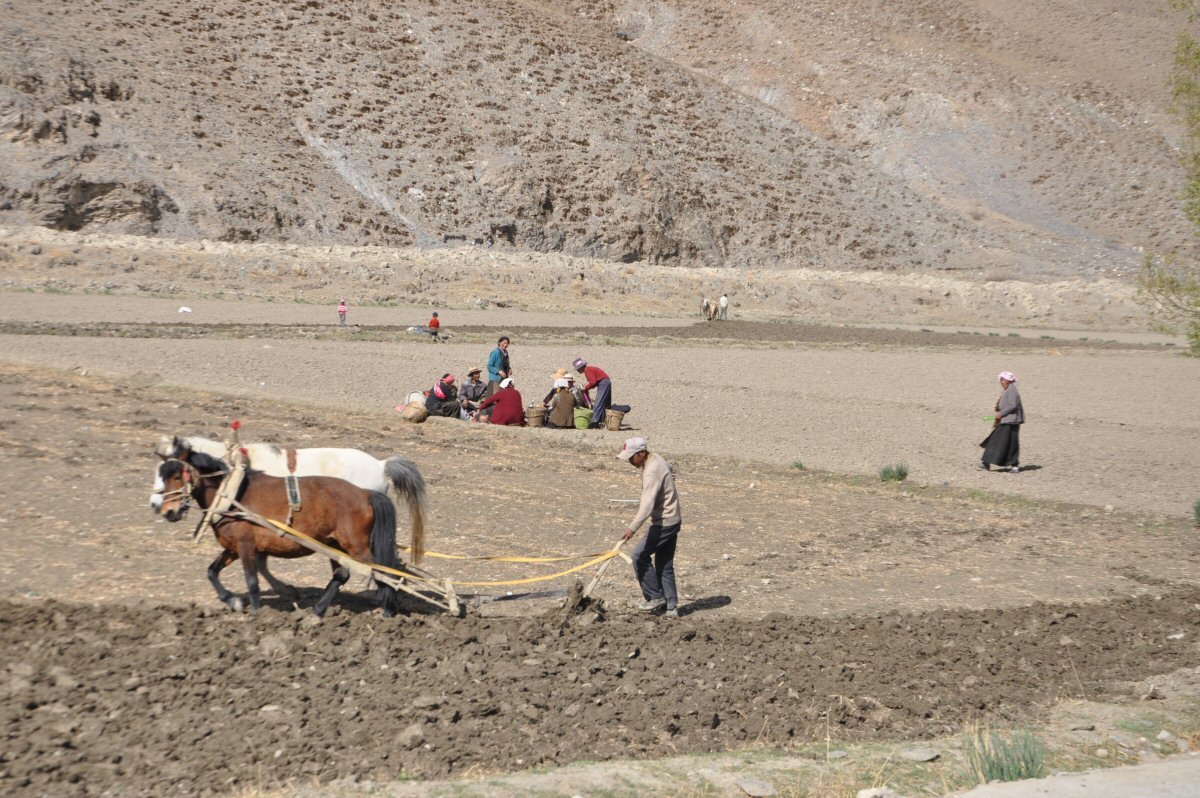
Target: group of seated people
[471,399]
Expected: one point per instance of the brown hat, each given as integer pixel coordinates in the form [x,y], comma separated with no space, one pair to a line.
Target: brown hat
[475,370]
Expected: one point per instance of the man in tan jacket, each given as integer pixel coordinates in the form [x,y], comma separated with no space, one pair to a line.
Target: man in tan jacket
[659,504]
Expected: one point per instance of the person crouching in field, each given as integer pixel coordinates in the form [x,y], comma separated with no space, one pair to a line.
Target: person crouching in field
[561,406]
[1002,447]
[597,378]
[509,406]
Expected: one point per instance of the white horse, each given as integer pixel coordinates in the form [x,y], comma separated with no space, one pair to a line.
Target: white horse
[353,465]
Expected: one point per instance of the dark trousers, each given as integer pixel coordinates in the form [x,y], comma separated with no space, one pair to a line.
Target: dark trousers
[600,406]
[658,582]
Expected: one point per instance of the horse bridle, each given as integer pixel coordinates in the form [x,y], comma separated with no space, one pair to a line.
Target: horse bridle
[191,480]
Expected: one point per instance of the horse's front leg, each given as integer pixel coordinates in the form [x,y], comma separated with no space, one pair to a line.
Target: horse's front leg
[248,554]
[341,575]
[214,575]
[282,589]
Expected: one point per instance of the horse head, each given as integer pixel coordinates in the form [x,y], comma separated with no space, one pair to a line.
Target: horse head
[180,480]
[169,447]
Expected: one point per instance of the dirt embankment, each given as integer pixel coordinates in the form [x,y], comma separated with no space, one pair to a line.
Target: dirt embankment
[475,278]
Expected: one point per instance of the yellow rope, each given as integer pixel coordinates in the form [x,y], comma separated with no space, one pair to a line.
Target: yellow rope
[596,560]
[505,558]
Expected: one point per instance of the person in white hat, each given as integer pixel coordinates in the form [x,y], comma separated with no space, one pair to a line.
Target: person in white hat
[561,406]
[1002,448]
[654,557]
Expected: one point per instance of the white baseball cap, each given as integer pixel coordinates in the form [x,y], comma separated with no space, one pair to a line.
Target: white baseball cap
[507,381]
[632,447]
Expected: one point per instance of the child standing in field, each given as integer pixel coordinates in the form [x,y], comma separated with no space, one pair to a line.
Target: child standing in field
[342,313]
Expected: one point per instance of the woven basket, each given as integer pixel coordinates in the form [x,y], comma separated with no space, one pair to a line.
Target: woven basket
[414,412]
[613,419]
[535,416]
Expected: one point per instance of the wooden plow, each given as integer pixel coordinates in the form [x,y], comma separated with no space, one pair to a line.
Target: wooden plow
[418,582]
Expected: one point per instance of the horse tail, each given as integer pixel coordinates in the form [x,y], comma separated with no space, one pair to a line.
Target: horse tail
[410,486]
[383,547]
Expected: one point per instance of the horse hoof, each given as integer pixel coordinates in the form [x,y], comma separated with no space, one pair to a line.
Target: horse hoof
[234,603]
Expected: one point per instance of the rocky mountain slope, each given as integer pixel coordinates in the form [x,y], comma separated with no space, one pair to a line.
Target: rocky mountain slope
[1005,140]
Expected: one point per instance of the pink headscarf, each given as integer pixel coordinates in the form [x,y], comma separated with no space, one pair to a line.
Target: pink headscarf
[1008,376]
[437,389]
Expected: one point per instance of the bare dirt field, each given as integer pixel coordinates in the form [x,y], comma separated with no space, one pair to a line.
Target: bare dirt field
[1110,425]
[820,604]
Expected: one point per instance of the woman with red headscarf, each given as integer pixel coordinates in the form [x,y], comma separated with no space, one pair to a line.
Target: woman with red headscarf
[443,398]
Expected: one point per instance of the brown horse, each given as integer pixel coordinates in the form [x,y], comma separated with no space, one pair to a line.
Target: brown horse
[359,522]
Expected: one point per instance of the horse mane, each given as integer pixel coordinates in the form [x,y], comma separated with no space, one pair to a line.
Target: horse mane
[206,463]
[196,444]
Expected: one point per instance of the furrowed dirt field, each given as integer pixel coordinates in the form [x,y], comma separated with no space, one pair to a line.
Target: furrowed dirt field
[817,602]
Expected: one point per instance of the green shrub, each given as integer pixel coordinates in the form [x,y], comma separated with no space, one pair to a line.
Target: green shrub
[799,466]
[1196,512]
[1014,335]
[894,473]
[1002,756]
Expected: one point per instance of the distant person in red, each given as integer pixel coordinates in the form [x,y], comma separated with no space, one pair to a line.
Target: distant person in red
[433,326]
[509,406]
[342,313]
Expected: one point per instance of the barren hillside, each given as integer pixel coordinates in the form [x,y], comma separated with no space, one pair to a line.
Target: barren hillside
[1011,140]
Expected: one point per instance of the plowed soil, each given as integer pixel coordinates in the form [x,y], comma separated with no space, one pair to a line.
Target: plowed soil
[156,701]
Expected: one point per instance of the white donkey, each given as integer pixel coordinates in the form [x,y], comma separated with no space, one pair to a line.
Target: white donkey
[353,465]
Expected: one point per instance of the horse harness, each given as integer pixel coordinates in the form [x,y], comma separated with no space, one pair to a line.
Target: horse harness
[225,499]
[292,483]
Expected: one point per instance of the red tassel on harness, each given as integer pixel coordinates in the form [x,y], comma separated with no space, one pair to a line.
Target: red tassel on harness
[236,425]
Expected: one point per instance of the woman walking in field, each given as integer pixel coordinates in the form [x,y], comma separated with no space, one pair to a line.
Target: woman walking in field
[1002,448]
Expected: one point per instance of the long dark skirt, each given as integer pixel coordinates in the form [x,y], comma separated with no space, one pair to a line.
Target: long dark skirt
[1003,446]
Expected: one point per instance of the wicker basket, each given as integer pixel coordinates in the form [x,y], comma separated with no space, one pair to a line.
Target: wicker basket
[535,416]
[414,412]
[613,419]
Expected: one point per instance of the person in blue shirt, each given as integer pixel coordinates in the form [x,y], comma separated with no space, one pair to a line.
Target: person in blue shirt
[499,367]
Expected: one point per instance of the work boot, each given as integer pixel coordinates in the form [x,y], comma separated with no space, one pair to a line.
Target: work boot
[652,604]
[671,613]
